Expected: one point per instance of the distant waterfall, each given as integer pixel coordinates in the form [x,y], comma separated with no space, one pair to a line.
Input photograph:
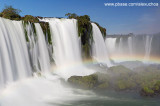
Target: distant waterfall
[111,45]
[14,58]
[99,49]
[144,48]
[148,47]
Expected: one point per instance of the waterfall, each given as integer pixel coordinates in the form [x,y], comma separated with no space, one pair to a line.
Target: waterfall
[65,41]
[111,46]
[32,46]
[99,49]
[66,47]
[19,59]
[143,48]
[148,48]
[17,56]
[130,46]
[43,55]
[14,58]
[38,48]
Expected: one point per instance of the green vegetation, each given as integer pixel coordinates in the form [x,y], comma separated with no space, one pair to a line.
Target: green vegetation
[103,30]
[46,30]
[29,18]
[104,85]
[84,26]
[85,32]
[25,30]
[10,13]
[85,21]
[85,82]
[151,90]
[70,16]
[44,25]
[147,91]
[145,80]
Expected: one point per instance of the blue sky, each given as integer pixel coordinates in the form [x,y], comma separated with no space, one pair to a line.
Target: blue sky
[117,20]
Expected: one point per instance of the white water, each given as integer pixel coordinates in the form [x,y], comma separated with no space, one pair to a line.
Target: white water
[38,48]
[139,47]
[16,61]
[14,58]
[67,49]
[148,48]
[99,49]
[43,55]
[65,41]
[32,46]
[41,92]
[46,90]
[130,45]
[111,45]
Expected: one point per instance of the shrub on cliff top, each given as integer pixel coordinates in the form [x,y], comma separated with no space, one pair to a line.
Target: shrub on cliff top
[10,13]
[29,18]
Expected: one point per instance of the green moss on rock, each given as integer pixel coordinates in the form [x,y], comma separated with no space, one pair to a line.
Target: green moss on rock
[25,30]
[119,69]
[29,18]
[86,82]
[46,30]
[103,30]
[104,85]
[85,31]
[145,80]
[147,91]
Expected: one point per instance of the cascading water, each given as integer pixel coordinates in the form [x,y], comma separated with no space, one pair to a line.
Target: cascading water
[37,48]
[148,48]
[43,55]
[14,54]
[14,58]
[47,90]
[19,59]
[32,46]
[136,47]
[99,49]
[65,41]
[67,49]
[130,45]
[111,45]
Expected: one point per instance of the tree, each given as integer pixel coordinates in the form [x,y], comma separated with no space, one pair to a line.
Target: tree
[10,13]
[71,15]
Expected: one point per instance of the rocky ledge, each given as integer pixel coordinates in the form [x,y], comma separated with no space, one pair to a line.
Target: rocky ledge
[145,80]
